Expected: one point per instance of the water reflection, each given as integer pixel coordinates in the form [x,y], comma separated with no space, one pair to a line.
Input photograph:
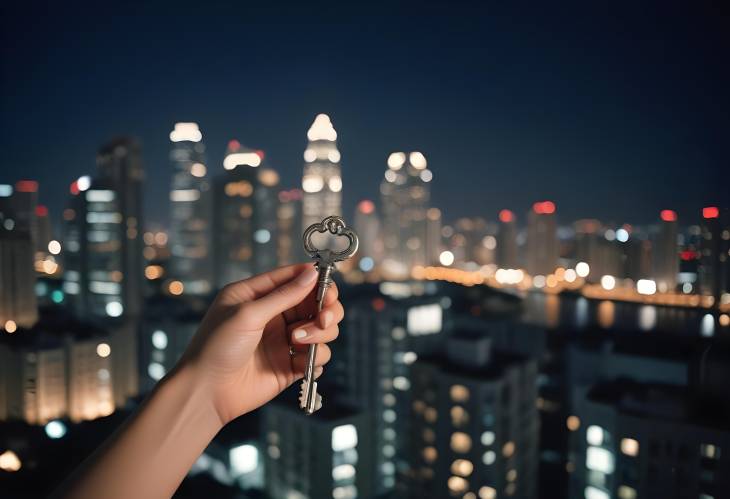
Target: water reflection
[606,314]
[647,317]
[707,327]
[581,312]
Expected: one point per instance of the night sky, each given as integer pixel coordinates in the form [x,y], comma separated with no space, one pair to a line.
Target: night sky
[612,112]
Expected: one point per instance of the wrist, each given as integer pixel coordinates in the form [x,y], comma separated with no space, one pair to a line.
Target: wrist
[187,379]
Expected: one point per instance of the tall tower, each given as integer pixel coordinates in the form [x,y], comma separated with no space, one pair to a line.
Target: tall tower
[190,210]
[405,195]
[322,179]
[666,258]
[542,239]
[245,208]
[507,240]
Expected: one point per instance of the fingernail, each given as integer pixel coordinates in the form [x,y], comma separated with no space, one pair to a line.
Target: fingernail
[326,318]
[299,334]
[306,277]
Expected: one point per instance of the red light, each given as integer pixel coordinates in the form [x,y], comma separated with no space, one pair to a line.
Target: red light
[26,186]
[366,206]
[668,215]
[378,304]
[74,188]
[710,212]
[41,210]
[506,216]
[234,145]
[688,255]
[260,153]
[544,207]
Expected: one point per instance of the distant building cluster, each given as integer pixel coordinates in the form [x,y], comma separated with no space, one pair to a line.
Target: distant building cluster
[479,358]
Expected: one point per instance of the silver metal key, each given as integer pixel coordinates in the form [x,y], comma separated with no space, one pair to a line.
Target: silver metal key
[325,260]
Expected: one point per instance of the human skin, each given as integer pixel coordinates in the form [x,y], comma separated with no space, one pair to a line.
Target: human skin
[237,361]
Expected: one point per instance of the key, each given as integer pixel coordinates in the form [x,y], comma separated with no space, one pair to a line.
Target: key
[325,260]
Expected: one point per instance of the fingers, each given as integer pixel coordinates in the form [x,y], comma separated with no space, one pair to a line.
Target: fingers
[322,329]
[285,296]
[299,362]
[262,284]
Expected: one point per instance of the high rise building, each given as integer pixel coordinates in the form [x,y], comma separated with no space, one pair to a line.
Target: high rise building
[666,253]
[289,225]
[315,456]
[406,196]
[474,428]
[245,216]
[597,246]
[370,368]
[507,257]
[322,178]
[119,214]
[714,258]
[367,226]
[542,239]
[190,215]
[18,303]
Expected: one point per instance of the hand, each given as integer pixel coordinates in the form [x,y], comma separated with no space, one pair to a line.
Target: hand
[241,351]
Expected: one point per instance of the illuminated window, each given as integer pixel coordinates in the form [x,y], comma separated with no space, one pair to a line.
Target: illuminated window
[600,460]
[626,492]
[470,495]
[159,339]
[343,472]
[573,423]
[459,417]
[344,437]
[629,446]
[459,393]
[429,454]
[103,350]
[418,406]
[462,467]
[156,370]
[425,319]
[508,449]
[511,475]
[487,438]
[510,489]
[594,435]
[489,457]
[487,492]
[346,492]
[457,484]
[710,451]
[244,459]
[596,493]
[430,415]
[460,442]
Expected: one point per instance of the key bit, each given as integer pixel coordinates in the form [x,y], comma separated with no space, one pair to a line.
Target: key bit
[325,260]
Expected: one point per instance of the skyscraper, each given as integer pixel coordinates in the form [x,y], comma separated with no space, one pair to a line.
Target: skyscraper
[542,239]
[190,215]
[322,178]
[666,254]
[714,261]
[474,429]
[120,214]
[405,199]
[289,225]
[367,226]
[507,240]
[18,303]
[316,456]
[245,211]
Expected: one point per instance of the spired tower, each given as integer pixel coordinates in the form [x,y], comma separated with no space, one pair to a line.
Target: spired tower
[322,180]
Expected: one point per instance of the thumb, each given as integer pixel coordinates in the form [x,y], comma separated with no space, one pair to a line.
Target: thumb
[286,296]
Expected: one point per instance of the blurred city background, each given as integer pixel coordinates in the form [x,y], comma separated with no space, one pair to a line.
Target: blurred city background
[540,305]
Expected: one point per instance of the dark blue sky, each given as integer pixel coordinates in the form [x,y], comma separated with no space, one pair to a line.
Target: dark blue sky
[612,112]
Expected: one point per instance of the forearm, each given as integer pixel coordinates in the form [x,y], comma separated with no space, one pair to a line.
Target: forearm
[152,454]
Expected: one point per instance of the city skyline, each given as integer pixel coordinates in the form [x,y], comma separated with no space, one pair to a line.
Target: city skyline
[649,90]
